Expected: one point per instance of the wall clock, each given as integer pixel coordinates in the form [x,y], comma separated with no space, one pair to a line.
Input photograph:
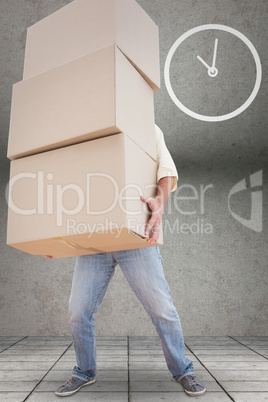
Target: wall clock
[213,72]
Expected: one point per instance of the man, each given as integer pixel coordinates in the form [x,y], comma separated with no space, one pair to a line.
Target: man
[143,269]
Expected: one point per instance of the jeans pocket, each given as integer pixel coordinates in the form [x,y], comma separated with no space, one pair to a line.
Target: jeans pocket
[158,254]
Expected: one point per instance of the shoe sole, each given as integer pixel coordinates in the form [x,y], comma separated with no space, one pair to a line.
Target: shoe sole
[195,393]
[74,391]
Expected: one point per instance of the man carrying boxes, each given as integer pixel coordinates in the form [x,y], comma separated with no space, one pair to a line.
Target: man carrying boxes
[86,158]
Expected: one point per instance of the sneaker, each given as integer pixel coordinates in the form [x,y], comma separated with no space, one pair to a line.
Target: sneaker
[72,385]
[192,385]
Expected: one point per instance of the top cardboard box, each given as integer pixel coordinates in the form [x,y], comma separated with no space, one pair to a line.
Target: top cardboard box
[84,26]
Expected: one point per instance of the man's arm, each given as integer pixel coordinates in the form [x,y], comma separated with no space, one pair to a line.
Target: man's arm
[166,165]
[167,177]
[157,205]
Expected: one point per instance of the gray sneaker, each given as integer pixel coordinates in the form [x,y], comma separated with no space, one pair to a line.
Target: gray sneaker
[192,385]
[71,386]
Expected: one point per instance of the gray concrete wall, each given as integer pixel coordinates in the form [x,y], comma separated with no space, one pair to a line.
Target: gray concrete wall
[216,266]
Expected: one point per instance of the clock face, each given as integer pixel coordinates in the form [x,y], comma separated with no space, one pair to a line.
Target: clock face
[213,72]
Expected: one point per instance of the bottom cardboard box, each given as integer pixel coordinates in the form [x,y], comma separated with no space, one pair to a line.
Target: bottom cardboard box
[102,242]
[81,199]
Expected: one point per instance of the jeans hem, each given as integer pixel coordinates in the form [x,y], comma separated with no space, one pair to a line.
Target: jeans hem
[81,377]
[178,378]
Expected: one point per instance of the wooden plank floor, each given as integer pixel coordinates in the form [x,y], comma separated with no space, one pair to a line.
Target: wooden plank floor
[134,369]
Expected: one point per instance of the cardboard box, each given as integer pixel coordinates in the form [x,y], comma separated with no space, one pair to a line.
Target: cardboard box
[84,26]
[81,199]
[96,95]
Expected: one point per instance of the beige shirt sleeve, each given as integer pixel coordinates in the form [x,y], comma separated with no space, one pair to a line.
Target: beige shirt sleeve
[166,165]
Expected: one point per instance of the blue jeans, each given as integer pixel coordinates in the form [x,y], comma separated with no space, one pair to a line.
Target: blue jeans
[143,269]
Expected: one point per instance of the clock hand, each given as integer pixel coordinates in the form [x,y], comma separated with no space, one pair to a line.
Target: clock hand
[212,71]
[203,61]
[214,55]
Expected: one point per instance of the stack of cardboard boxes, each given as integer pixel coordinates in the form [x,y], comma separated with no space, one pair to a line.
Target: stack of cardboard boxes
[82,134]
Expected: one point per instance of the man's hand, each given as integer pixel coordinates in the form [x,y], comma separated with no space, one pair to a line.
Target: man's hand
[157,208]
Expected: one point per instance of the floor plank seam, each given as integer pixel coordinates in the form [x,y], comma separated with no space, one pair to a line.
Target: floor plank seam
[249,348]
[128,373]
[13,344]
[226,392]
[135,354]
[27,397]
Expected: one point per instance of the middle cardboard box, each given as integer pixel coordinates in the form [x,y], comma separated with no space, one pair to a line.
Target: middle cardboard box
[96,95]
[81,199]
